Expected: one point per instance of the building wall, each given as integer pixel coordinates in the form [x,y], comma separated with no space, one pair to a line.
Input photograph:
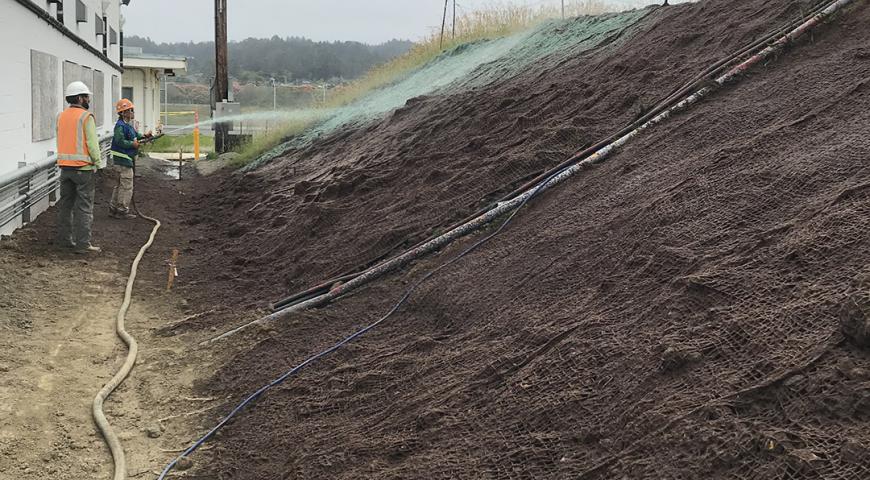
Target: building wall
[146,85]
[29,40]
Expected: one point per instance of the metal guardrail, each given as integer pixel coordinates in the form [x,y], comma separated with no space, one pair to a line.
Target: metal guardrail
[23,189]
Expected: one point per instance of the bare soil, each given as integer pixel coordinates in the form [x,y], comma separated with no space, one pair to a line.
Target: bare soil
[58,346]
[676,312]
[672,313]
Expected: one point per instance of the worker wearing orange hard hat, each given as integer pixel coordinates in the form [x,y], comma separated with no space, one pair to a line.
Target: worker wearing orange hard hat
[125,149]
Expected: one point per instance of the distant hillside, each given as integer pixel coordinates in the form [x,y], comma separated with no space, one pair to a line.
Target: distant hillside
[286,59]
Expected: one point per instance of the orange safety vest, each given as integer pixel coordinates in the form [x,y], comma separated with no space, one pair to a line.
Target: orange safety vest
[72,146]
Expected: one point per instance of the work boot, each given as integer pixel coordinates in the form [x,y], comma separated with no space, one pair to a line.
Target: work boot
[122,215]
[88,250]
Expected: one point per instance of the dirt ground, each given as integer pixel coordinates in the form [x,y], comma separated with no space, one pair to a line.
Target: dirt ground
[672,313]
[58,346]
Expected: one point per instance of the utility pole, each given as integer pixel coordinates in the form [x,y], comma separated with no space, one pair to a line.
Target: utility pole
[563,9]
[221,78]
[443,24]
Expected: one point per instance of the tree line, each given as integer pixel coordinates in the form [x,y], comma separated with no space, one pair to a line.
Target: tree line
[288,60]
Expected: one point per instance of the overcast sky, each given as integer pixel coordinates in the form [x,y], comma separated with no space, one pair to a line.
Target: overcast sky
[371,21]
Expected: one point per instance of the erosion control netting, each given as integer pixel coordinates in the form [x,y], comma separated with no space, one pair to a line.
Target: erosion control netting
[363,193]
[635,318]
[474,65]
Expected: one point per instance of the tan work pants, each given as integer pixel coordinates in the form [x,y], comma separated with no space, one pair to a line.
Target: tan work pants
[123,192]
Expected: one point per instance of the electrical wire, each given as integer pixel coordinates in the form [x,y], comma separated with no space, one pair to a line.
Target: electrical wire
[278,381]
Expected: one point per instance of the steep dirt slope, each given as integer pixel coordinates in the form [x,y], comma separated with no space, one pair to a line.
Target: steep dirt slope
[672,313]
[358,195]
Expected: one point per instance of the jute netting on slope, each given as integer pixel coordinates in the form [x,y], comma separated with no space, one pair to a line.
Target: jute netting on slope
[476,65]
[393,182]
[718,259]
[618,319]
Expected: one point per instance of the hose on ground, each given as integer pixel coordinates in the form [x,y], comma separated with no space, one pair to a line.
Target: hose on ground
[102,423]
[672,98]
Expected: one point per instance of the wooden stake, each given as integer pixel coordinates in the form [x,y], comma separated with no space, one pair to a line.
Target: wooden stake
[173,270]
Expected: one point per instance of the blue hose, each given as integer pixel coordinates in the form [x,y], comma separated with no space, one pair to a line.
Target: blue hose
[310,360]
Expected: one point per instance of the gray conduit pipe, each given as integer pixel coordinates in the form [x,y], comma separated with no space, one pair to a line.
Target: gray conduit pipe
[111,439]
[689,87]
[508,206]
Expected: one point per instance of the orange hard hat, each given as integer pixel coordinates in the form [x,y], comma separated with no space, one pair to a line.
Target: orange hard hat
[123,105]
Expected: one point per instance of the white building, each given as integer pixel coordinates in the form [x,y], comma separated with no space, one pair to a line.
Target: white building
[144,74]
[47,44]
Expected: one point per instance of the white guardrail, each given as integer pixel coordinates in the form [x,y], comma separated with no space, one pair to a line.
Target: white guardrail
[23,189]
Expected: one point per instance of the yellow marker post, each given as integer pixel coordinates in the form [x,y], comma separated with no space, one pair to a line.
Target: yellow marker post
[196,136]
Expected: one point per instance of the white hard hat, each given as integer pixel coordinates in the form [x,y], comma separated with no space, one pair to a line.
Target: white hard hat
[77,88]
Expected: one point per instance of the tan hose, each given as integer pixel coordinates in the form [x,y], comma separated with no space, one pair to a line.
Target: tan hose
[133,351]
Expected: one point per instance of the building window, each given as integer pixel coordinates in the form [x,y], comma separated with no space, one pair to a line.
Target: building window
[74,72]
[81,12]
[71,72]
[116,89]
[44,95]
[113,36]
[127,92]
[99,28]
[99,98]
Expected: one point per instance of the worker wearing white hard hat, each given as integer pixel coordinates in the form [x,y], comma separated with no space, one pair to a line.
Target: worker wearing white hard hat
[78,156]
[77,88]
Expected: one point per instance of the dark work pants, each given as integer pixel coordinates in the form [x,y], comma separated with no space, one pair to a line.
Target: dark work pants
[75,208]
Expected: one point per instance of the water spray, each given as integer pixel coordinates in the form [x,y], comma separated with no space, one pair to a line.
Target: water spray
[306,115]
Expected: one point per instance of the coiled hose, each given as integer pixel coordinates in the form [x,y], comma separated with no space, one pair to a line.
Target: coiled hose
[109,436]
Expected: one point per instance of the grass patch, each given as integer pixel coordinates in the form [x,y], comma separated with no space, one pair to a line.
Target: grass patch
[490,24]
[261,144]
[172,143]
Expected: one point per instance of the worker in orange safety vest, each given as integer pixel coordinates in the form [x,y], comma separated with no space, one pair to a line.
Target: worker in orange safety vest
[79,158]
